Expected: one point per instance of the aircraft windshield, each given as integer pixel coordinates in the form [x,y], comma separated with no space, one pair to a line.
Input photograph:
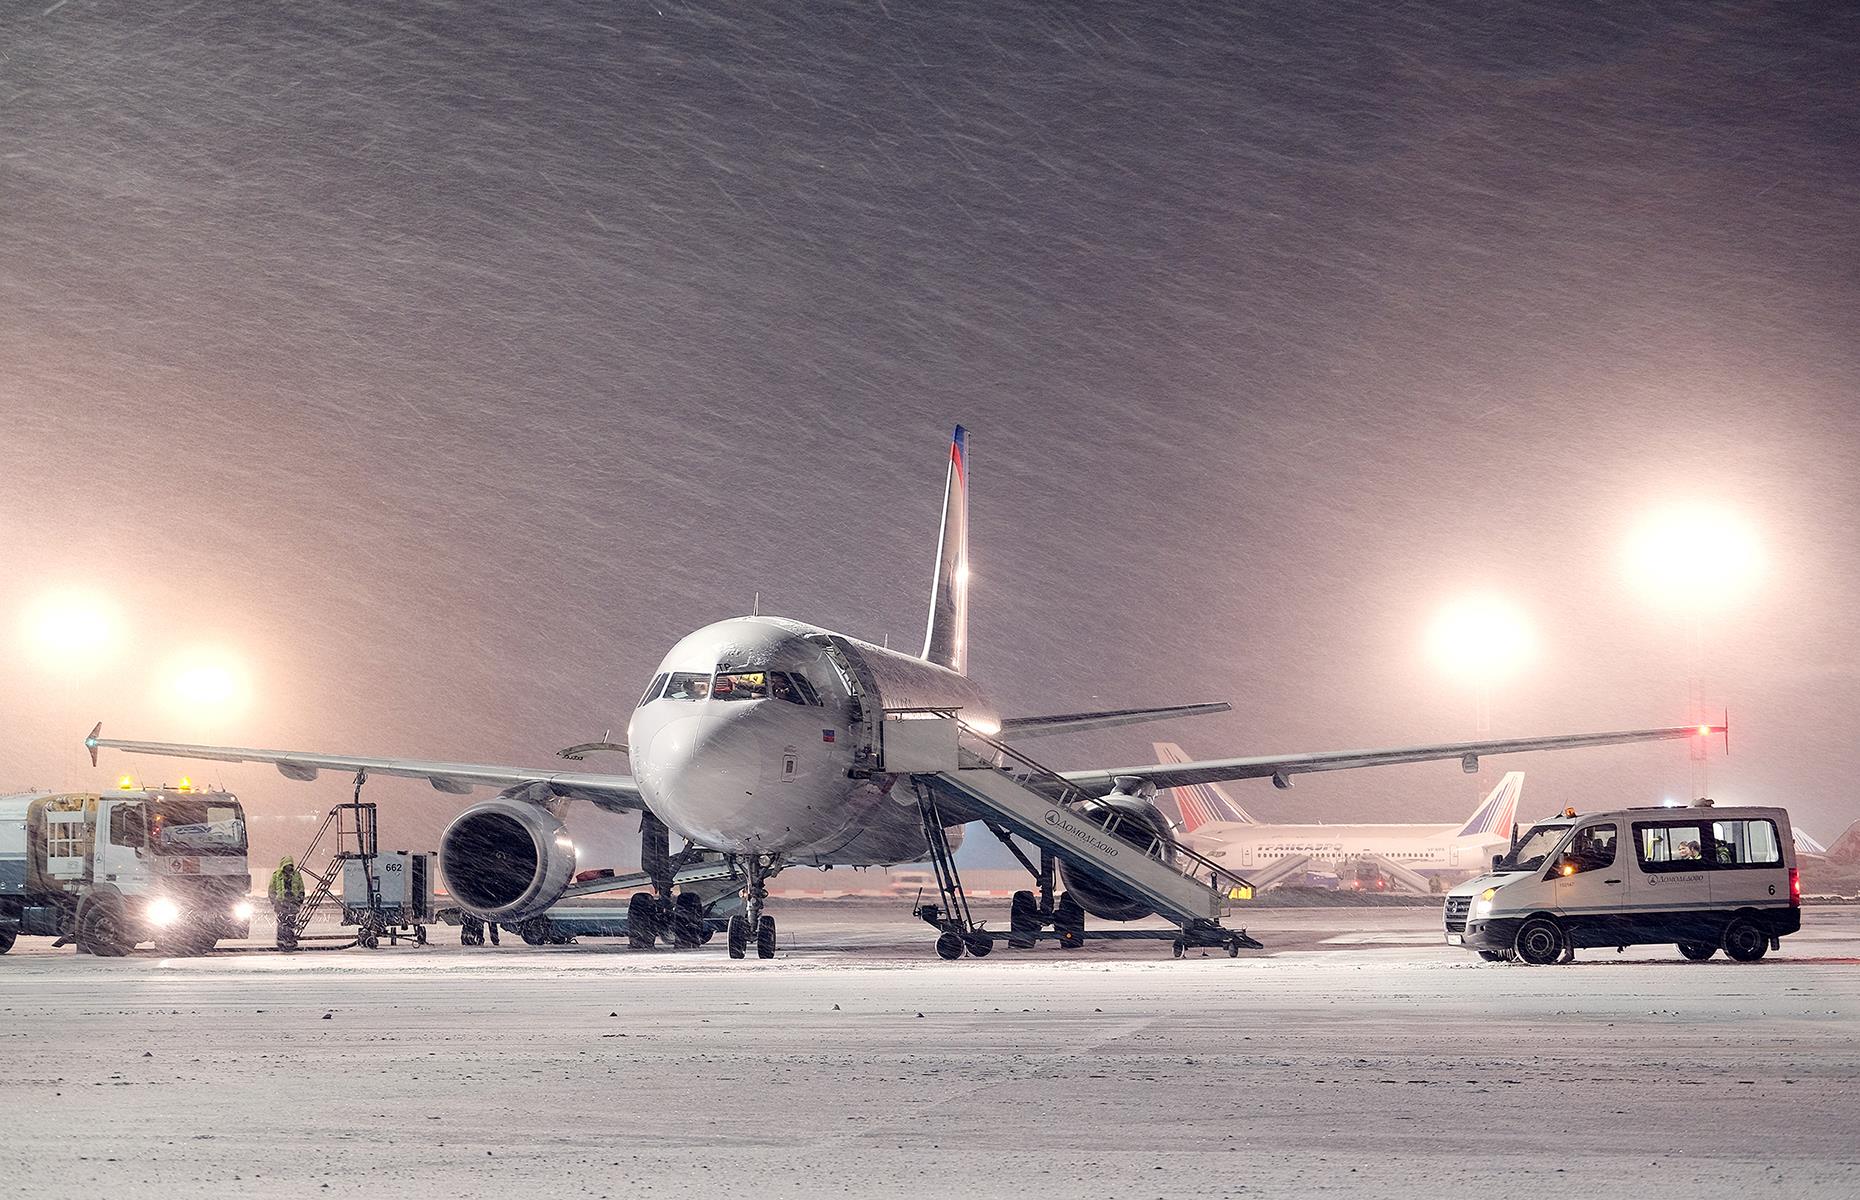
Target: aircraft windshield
[1534,851]
[742,685]
[198,827]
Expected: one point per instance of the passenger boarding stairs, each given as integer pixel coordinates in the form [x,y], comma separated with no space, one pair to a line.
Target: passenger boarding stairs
[976,777]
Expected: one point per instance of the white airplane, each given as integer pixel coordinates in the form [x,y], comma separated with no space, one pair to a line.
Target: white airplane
[1211,823]
[759,741]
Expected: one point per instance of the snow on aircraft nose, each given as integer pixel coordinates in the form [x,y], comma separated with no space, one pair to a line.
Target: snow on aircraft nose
[704,772]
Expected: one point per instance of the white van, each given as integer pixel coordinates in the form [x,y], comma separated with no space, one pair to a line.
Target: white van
[1699,877]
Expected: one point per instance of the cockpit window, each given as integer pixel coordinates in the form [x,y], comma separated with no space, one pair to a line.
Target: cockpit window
[687,685]
[653,689]
[795,689]
[741,685]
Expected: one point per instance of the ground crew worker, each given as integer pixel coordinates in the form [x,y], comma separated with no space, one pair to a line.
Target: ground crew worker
[287,896]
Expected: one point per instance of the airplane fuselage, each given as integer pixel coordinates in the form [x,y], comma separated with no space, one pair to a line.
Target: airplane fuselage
[758,735]
[1423,848]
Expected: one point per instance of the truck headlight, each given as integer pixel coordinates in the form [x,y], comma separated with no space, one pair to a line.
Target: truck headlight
[242,911]
[163,911]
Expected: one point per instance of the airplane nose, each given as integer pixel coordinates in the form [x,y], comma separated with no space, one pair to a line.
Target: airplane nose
[703,772]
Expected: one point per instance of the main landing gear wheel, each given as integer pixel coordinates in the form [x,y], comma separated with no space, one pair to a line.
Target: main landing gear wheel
[1540,942]
[765,938]
[642,920]
[1697,951]
[1745,941]
[687,921]
[949,946]
[1023,921]
[738,935]
[1069,922]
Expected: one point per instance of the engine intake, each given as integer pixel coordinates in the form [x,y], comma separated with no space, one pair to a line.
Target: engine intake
[506,859]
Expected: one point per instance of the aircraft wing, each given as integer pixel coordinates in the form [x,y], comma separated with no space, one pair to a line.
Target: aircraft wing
[1014,729]
[614,792]
[1281,768]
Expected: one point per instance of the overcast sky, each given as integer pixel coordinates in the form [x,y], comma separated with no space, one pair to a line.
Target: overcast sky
[439,366]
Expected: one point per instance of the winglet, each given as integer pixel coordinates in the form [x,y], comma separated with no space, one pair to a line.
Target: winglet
[946,641]
[90,743]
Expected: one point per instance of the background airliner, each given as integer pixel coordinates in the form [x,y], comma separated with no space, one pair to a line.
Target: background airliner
[1409,855]
[759,738]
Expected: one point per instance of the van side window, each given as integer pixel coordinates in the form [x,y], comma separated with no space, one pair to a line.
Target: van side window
[1751,843]
[1590,849]
[1678,846]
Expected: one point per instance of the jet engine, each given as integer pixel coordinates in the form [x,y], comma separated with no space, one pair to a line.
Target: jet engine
[1130,814]
[506,859]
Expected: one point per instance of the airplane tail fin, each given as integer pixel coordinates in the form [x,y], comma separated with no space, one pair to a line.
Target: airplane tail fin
[1199,804]
[1846,848]
[1495,814]
[946,641]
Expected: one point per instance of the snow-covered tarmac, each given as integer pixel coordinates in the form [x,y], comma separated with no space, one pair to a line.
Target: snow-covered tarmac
[1357,1057]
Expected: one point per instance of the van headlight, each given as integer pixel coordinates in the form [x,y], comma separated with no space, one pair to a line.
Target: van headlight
[242,911]
[163,911]
[1482,907]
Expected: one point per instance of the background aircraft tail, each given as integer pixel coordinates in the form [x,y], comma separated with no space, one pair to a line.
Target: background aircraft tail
[1494,816]
[1846,848]
[946,642]
[1198,804]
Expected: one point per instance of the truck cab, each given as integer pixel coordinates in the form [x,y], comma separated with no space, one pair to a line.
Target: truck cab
[110,870]
[1701,878]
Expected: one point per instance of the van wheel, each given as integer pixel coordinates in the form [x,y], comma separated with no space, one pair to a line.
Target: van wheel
[1697,951]
[1745,940]
[1540,942]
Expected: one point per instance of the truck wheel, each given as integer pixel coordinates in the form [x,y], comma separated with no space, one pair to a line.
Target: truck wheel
[100,926]
[1540,942]
[1745,941]
[1697,951]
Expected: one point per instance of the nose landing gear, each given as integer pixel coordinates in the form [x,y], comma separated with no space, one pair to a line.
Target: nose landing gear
[750,922]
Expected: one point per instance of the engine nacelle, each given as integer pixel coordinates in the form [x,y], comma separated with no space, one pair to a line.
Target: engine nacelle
[1130,813]
[506,859]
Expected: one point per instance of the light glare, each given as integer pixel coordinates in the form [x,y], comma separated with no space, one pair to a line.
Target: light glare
[1481,638]
[1694,555]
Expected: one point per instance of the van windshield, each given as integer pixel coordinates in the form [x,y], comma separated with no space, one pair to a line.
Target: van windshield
[1534,851]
